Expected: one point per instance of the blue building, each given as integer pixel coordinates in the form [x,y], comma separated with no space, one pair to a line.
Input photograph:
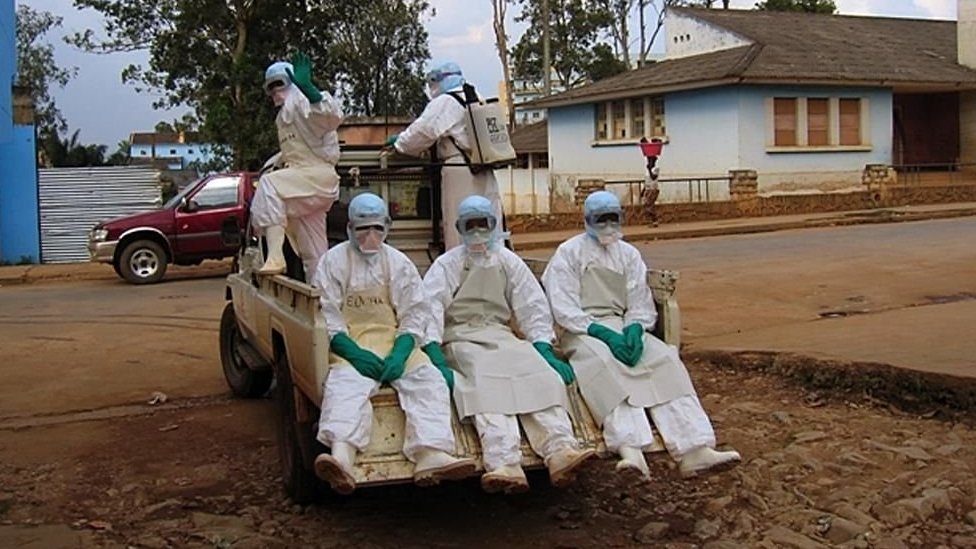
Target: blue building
[808,101]
[19,221]
[174,151]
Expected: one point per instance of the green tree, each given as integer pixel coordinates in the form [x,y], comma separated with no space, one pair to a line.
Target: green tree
[206,54]
[69,152]
[210,55]
[574,31]
[36,67]
[122,154]
[379,49]
[809,6]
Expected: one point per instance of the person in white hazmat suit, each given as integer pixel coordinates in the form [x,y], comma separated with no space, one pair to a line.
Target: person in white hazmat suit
[443,122]
[596,285]
[296,198]
[376,311]
[499,379]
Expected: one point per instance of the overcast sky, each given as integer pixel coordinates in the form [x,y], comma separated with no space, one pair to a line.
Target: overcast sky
[107,111]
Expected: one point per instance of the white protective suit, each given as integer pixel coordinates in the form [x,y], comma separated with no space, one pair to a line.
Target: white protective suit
[299,195]
[373,299]
[442,121]
[588,282]
[501,379]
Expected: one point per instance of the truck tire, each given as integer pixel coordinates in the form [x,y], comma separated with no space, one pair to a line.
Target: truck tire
[243,381]
[143,262]
[297,446]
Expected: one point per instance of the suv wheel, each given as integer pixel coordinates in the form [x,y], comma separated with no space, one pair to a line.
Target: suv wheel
[142,262]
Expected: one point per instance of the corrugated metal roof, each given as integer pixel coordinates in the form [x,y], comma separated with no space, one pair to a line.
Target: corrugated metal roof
[73,200]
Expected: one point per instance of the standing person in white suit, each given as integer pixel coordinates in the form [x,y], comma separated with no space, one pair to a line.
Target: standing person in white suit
[443,122]
[597,286]
[296,198]
[376,311]
[500,380]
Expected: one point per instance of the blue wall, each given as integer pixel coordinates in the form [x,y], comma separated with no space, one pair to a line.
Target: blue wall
[8,67]
[712,131]
[189,152]
[19,222]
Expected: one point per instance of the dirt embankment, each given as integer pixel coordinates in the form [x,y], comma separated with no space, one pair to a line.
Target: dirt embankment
[835,455]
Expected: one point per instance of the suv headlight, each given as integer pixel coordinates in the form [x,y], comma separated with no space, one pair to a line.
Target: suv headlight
[99,235]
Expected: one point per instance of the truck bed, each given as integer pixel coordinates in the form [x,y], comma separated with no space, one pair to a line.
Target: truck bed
[279,315]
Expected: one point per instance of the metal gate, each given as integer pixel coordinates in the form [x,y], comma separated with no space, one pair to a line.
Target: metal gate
[73,200]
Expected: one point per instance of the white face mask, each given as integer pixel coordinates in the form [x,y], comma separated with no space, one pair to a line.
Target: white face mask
[369,241]
[476,241]
[608,232]
[278,96]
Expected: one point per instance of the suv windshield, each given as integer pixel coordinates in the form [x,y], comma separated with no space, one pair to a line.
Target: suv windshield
[173,202]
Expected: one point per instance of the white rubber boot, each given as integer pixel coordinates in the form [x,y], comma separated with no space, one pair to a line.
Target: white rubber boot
[563,465]
[275,263]
[336,468]
[434,466]
[704,458]
[509,479]
[633,465]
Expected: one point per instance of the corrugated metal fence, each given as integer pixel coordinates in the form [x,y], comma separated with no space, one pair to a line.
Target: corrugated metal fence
[73,200]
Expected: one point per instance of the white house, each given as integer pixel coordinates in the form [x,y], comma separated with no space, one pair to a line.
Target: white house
[806,100]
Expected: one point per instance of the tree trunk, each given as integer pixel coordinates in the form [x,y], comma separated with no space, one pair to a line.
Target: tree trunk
[501,44]
[240,20]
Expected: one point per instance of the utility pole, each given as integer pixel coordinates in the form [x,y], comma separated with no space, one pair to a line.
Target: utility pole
[546,64]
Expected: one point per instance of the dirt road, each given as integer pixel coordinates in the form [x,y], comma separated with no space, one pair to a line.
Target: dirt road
[86,462]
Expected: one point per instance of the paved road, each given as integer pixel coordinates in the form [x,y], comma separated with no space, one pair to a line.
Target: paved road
[85,345]
[901,293]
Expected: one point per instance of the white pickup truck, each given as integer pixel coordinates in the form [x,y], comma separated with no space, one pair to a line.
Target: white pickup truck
[272,329]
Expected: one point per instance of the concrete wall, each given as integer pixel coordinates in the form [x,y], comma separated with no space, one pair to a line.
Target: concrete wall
[19,223]
[524,190]
[710,132]
[686,36]
[810,171]
[8,67]
[189,152]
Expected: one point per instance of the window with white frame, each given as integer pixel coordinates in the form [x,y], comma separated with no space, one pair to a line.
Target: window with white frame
[629,119]
[818,122]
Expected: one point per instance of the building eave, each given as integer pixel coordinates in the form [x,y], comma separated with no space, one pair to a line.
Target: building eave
[631,92]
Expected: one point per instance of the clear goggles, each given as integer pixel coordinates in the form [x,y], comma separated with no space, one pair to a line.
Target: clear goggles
[437,75]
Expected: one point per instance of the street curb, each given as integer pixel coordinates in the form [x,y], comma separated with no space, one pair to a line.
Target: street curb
[875,216]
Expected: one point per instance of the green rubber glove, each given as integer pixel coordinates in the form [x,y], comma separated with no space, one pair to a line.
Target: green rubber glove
[365,362]
[396,362]
[564,370]
[433,351]
[615,341]
[634,335]
[390,141]
[302,77]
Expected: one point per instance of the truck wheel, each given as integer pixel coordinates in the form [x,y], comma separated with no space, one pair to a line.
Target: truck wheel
[242,380]
[297,446]
[143,262]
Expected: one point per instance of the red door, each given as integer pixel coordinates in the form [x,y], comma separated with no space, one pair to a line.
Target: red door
[198,222]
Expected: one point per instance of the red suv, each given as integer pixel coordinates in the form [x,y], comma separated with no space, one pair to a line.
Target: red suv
[204,221]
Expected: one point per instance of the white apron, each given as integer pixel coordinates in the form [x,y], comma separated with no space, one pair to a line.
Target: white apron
[458,183]
[501,374]
[306,173]
[605,382]
[371,319]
